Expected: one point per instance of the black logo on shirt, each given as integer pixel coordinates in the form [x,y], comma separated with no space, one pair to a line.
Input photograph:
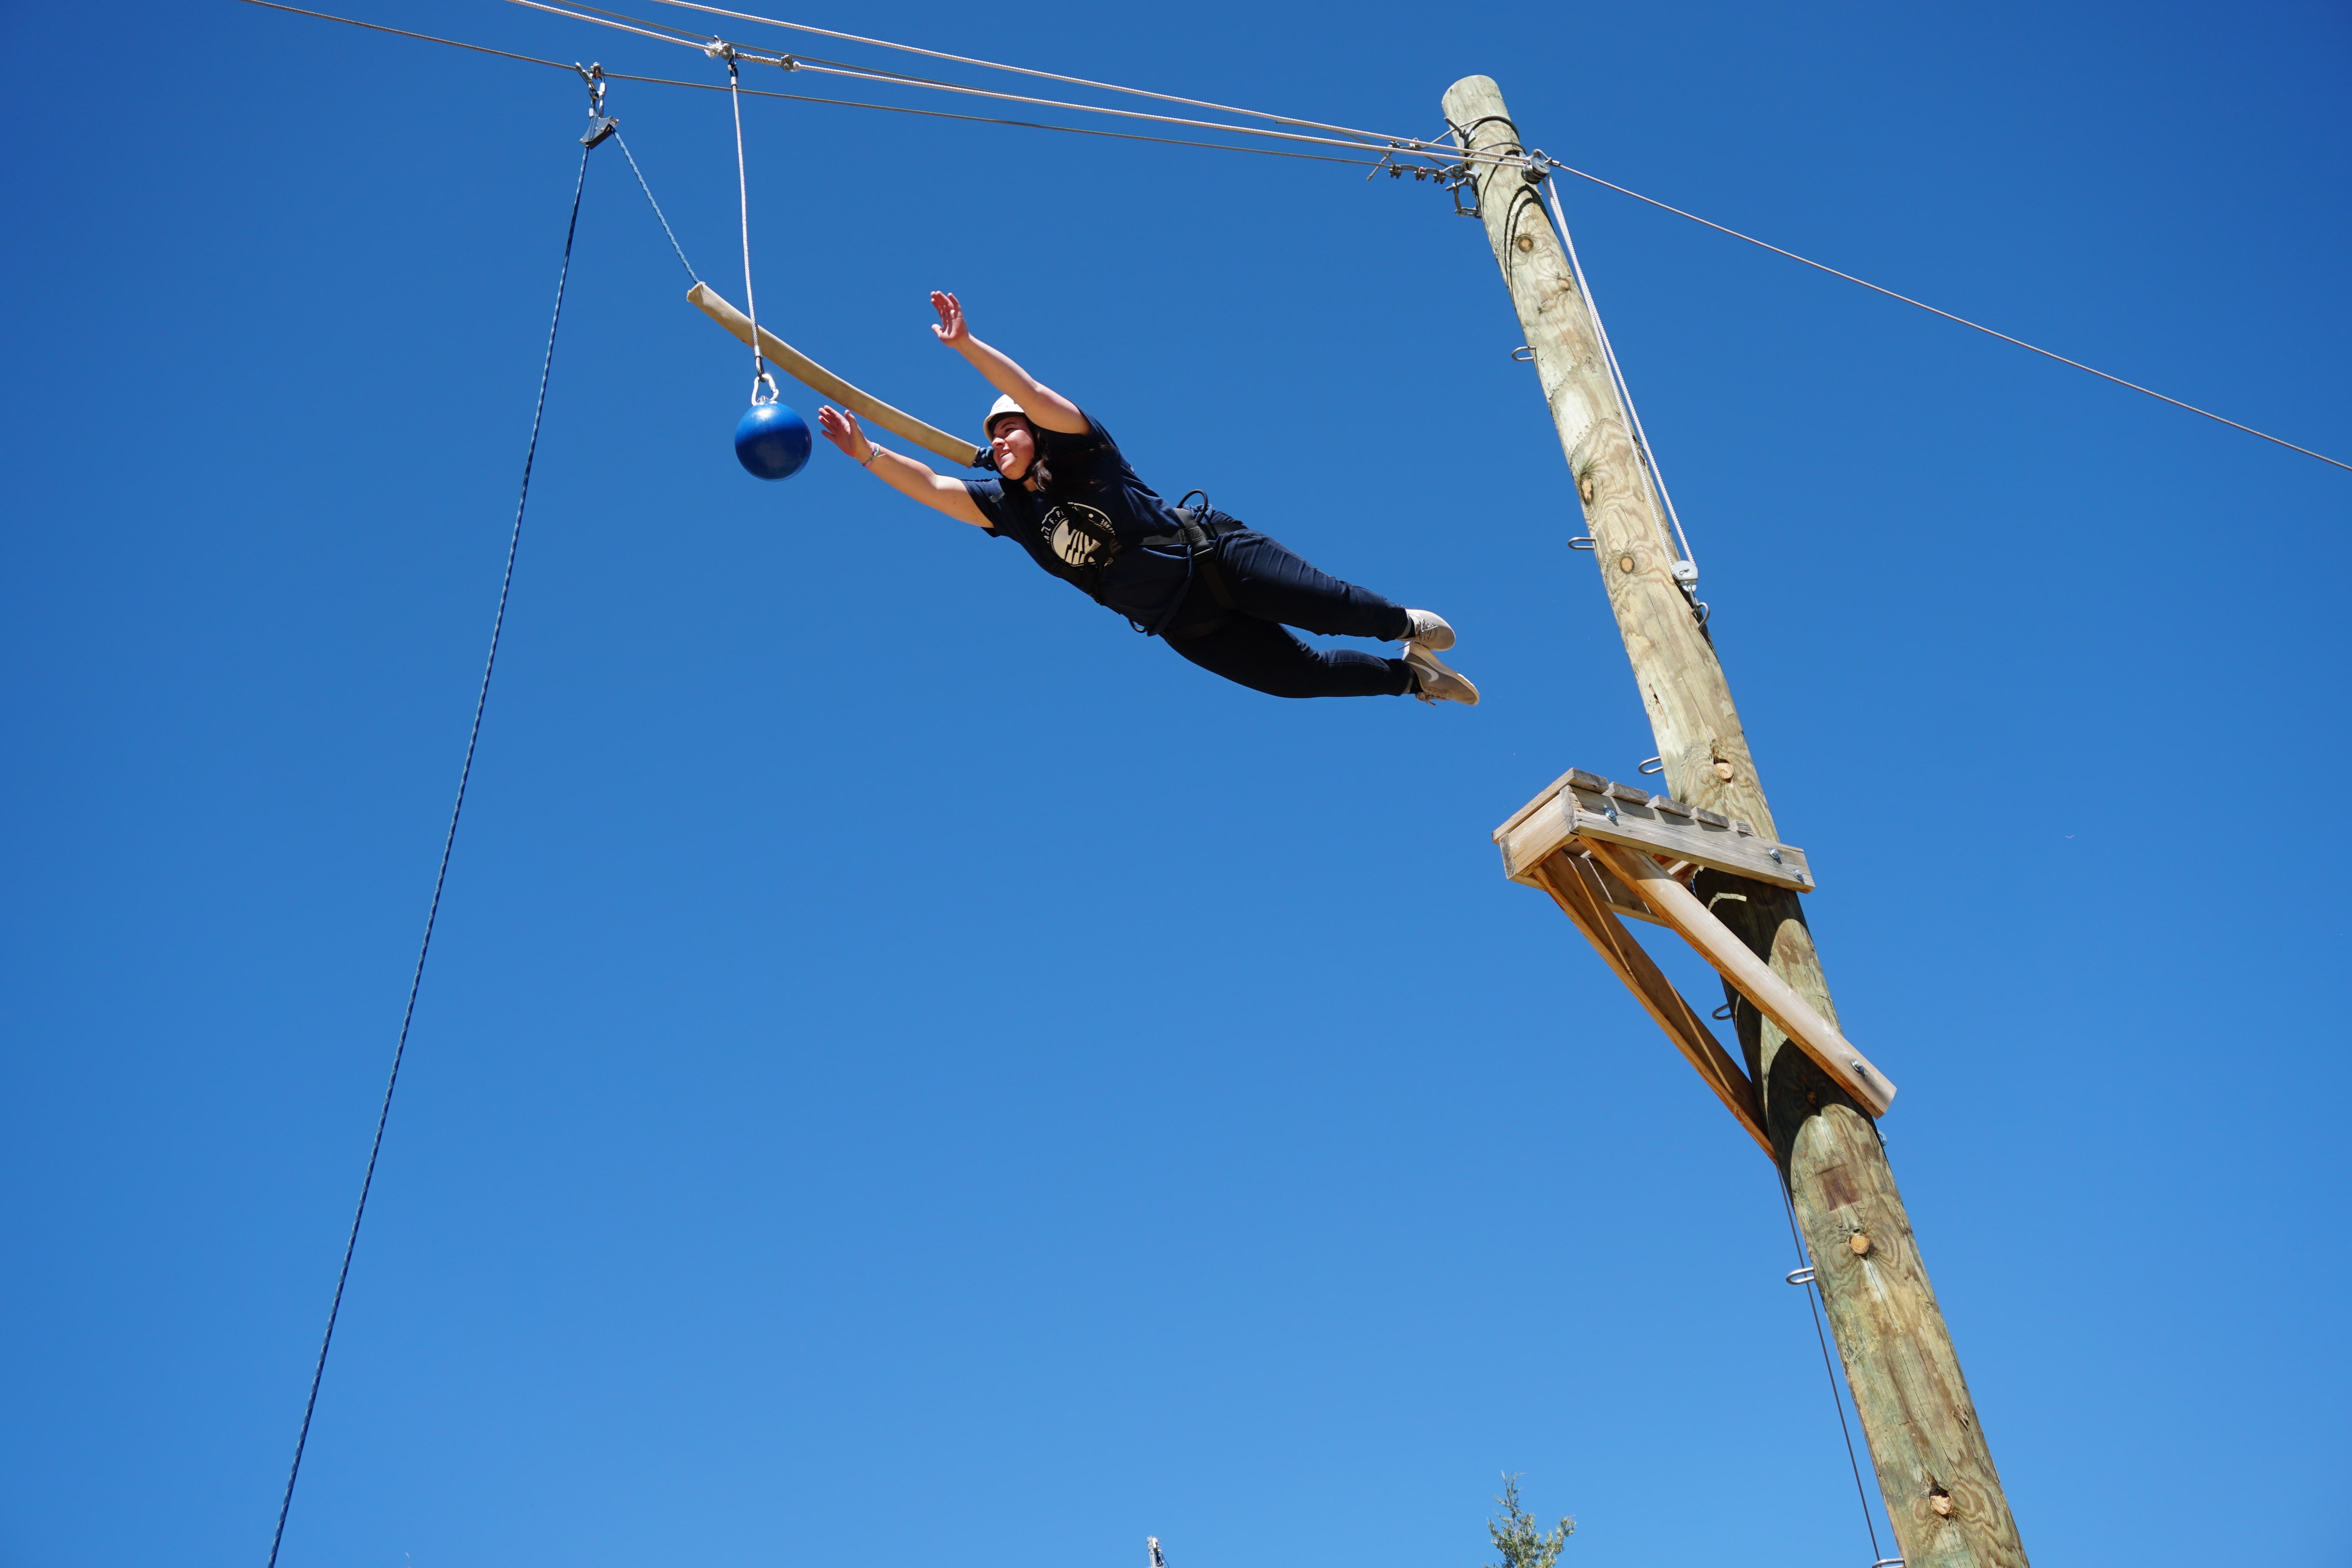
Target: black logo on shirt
[1079,535]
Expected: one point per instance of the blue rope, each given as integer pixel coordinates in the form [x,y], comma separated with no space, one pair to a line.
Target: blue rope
[441,877]
[691,275]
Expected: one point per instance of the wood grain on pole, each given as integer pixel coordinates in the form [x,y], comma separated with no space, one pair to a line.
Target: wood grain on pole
[1925,1443]
[818,379]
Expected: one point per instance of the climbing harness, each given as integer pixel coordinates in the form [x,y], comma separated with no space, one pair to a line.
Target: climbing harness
[1199,530]
[449,838]
[771,440]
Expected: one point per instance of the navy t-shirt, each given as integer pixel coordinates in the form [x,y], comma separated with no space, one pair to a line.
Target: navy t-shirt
[1088,527]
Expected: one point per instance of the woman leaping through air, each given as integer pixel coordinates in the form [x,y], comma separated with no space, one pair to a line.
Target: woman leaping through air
[1219,593]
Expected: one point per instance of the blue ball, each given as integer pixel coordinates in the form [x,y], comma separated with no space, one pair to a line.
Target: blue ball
[771,441]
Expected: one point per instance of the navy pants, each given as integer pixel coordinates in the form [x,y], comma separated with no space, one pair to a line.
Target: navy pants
[1273,590]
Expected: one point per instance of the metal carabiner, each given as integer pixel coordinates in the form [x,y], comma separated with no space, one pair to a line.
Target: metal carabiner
[600,124]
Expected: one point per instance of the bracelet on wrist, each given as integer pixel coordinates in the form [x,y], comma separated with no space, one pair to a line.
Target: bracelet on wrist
[872,454]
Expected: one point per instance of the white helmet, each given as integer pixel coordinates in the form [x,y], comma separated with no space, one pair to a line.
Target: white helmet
[1005,405]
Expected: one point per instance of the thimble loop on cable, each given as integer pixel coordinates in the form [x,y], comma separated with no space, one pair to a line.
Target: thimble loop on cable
[764,389]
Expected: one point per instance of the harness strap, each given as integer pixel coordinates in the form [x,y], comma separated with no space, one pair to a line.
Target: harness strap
[1198,537]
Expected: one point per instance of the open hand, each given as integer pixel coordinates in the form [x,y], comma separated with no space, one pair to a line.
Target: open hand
[840,428]
[952,329]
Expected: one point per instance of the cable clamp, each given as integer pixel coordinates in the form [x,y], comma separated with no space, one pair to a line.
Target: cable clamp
[1397,171]
[719,49]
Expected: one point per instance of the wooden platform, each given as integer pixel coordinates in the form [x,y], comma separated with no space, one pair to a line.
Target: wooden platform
[1579,804]
[1602,851]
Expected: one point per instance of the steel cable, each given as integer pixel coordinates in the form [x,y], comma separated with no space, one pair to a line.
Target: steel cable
[833,102]
[1933,311]
[1361,141]
[1829,1370]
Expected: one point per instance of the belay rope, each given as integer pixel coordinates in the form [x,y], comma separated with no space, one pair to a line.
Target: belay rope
[600,126]
[761,380]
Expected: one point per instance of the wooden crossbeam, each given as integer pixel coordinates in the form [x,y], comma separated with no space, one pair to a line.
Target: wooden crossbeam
[1580,889]
[1579,804]
[824,383]
[1678,907]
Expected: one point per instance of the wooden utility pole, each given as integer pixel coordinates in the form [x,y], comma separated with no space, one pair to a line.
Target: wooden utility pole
[1934,1467]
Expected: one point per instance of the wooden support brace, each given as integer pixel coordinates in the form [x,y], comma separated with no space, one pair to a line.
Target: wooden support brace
[818,379]
[1678,907]
[1581,889]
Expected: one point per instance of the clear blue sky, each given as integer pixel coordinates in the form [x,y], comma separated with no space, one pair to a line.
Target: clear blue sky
[910,1070]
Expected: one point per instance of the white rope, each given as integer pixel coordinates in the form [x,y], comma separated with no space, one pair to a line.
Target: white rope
[1661,496]
[761,379]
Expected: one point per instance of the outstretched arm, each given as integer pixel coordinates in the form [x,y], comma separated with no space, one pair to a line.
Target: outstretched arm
[1047,409]
[902,474]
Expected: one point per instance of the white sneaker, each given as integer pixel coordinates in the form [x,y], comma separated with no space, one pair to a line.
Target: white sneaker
[1430,630]
[1438,684]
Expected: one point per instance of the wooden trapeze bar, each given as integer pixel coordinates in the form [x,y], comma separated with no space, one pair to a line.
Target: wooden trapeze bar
[1603,850]
[818,379]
